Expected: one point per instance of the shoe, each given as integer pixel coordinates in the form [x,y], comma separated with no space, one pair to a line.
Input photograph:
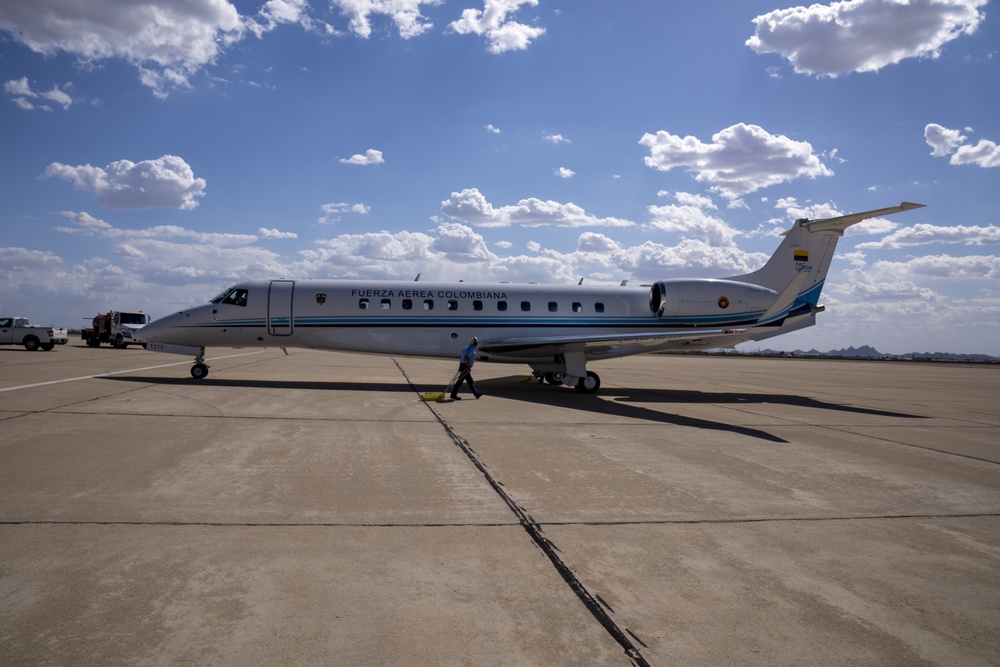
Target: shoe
[478,395]
[456,398]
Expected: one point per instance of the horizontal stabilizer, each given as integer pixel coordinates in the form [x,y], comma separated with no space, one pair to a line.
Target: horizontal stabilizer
[840,223]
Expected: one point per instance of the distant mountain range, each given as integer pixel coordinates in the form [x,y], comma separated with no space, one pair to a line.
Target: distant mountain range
[869,352]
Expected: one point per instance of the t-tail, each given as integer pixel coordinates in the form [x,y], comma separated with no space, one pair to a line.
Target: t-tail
[798,269]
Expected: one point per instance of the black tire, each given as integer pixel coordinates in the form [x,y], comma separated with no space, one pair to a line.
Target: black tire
[199,371]
[31,343]
[120,342]
[589,384]
[47,346]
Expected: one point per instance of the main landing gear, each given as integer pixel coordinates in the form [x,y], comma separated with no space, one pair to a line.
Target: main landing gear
[585,385]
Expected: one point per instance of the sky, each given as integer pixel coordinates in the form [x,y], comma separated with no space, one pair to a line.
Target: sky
[155,151]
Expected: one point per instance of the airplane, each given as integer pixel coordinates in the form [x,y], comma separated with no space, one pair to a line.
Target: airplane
[555,329]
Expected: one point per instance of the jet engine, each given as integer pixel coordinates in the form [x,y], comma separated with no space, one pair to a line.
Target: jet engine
[707,301]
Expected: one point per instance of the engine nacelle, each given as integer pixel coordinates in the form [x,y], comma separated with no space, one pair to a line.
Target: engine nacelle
[708,301]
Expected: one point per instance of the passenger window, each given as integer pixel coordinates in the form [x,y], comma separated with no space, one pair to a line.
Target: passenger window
[525,306]
[407,304]
[501,306]
[428,304]
[363,304]
[553,306]
[452,304]
[599,307]
[477,305]
[386,304]
[577,307]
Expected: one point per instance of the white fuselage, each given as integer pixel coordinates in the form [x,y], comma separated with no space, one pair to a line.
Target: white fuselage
[432,319]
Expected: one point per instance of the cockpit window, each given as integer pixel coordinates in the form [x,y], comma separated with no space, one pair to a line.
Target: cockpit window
[233,296]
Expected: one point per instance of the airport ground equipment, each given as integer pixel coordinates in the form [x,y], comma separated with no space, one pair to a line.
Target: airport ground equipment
[18,331]
[116,328]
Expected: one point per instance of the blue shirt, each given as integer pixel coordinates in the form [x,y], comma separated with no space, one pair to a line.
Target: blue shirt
[469,355]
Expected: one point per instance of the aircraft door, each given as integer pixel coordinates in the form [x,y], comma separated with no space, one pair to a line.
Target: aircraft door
[279,307]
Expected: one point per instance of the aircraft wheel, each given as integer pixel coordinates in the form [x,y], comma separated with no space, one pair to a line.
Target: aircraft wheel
[589,384]
[199,371]
[554,378]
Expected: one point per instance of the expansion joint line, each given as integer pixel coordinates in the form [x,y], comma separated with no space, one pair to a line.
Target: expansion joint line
[535,532]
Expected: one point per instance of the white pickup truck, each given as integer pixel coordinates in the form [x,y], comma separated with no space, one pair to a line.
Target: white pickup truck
[18,331]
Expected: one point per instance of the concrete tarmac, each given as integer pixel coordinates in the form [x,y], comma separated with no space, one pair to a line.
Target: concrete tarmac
[309,509]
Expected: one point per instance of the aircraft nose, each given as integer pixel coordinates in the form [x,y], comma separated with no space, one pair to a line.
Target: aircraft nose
[155,331]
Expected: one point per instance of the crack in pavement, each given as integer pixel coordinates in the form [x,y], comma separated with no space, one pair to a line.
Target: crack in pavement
[535,532]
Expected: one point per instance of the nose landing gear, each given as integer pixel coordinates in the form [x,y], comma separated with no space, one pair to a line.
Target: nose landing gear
[200,369]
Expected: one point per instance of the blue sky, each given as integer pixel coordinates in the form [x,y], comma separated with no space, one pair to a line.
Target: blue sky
[155,151]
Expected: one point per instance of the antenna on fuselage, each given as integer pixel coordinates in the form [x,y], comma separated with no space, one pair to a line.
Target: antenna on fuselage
[417,279]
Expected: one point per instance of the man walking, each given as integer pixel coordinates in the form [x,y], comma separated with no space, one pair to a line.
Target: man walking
[465,370]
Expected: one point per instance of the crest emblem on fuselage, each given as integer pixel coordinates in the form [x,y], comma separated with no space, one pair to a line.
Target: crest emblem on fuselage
[321,299]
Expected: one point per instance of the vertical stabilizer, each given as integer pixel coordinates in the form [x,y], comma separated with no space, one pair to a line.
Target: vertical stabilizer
[810,243]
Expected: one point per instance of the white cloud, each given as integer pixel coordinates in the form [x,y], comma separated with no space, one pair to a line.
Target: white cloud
[22,92]
[460,243]
[266,233]
[471,206]
[943,141]
[277,12]
[691,220]
[492,22]
[741,158]
[167,182]
[557,139]
[371,156]
[491,129]
[924,234]
[563,172]
[166,41]
[405,14]
[84,223]
[332,212]
[863,35]
[887,282]
[983,154]
[688,199]
[592,242]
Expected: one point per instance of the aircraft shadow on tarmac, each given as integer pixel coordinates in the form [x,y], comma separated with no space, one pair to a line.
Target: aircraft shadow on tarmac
[610,401]
[625,402]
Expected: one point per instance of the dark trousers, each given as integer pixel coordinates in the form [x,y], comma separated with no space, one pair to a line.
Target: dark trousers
[464,374]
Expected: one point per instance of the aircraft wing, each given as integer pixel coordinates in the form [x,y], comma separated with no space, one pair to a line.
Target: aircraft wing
[613,345]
